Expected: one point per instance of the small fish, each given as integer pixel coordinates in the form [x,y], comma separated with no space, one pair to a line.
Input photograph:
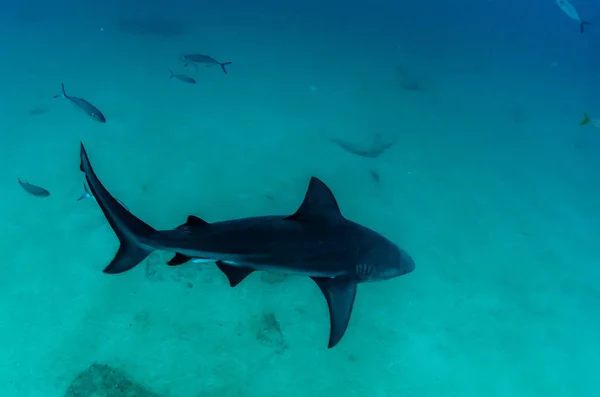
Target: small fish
[33,189]
[593,122]
[375,176]
[182,77]
[87,195]
[569,9]
[84,105]
[205,59]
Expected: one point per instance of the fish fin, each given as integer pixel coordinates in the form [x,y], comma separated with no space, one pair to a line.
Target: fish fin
[193,222]
[234,274]
[62,94]
[340,296]
[582,24]
[319,201]
[133,233]
[223,66]
[86,193]
[179,259]
[585,120]
[172,75]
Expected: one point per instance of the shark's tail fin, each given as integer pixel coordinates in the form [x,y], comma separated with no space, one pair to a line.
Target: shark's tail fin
[582,24]
[223,66]
[585,120]
[134,235]
[172,75]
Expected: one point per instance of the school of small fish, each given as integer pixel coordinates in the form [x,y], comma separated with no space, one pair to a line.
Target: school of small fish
[96,114]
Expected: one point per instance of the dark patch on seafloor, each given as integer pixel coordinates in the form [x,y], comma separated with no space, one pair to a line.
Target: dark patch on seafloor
[100,380]
[272,278]
[268,332]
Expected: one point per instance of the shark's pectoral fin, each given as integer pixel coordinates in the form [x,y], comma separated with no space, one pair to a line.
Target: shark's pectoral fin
[235,274]
[340,299]
[179,259]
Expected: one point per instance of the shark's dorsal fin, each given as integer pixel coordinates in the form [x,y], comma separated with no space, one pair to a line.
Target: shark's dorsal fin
[318,202]
[193,222]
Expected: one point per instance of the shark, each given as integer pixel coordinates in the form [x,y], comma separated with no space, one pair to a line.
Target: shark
[316,241]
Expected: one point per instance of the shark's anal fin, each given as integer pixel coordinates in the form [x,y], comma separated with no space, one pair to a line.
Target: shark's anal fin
[340,296]
[234,274]
[179,259]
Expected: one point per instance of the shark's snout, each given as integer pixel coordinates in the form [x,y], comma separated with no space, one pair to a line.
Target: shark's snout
[407,262]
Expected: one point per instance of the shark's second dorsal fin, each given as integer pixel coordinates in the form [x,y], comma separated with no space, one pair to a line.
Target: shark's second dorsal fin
[193,222]
[318,202]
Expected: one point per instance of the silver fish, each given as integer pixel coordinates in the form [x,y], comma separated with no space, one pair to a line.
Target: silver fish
[84,105]
[182,77]
[87,195]
[569,9]
[33,189]
[208,60]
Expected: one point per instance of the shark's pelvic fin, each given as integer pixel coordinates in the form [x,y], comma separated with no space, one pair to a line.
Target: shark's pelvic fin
[179,259]
[235,274]
[340,296]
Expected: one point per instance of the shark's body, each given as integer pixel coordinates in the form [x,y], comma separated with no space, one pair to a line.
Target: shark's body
[316,241]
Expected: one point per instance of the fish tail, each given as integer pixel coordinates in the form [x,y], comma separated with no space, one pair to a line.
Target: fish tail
[63,93]
[223,66]
[585,120]
[582,24]
[135,236]
[172,75]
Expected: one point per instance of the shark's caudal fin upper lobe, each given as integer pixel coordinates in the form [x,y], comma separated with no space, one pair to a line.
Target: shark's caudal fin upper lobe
[131,231]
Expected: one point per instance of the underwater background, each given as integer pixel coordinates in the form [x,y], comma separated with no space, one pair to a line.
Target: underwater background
[483,174]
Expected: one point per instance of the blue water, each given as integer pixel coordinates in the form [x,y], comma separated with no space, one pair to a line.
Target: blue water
[491,185]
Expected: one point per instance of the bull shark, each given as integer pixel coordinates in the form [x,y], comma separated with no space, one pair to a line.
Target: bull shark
[316,241]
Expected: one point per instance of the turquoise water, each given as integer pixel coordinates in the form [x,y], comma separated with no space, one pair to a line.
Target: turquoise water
[491,185]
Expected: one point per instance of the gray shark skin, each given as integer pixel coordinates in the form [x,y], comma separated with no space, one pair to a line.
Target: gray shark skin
[316,241]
